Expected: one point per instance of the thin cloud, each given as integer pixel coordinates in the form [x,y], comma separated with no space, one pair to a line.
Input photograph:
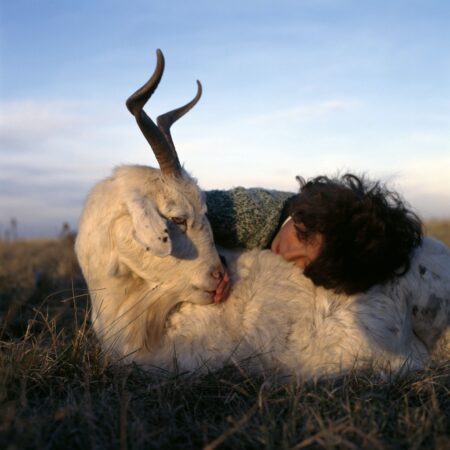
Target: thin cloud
[308,111]
[28,126]
[25,124]
[431,140]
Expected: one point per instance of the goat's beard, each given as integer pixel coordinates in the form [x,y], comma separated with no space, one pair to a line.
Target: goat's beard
[199,297]
[159,311]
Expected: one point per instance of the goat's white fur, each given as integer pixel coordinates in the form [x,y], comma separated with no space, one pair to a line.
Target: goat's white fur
[275,317]
[120,245]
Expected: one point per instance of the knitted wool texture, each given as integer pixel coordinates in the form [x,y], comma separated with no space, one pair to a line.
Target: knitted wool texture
[247,218]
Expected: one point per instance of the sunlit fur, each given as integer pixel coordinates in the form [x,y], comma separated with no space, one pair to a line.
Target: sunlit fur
[275,318]
[132,288]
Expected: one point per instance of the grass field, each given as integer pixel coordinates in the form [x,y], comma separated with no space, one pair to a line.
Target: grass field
[58,390]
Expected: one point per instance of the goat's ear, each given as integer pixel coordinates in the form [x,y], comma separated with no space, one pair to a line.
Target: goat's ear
[149,228]
[156,317]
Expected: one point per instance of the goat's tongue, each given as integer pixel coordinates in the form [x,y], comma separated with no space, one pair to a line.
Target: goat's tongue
[222,289]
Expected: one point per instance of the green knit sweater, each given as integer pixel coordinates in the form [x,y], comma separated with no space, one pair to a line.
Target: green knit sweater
[247,218]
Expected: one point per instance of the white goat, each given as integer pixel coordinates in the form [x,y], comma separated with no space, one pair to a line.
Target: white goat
[145,245]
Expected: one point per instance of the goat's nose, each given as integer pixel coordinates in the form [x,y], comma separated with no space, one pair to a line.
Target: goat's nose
[217,273]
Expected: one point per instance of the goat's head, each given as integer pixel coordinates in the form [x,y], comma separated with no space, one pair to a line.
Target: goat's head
[178,232]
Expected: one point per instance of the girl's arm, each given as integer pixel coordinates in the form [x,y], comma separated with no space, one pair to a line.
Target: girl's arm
[247,218]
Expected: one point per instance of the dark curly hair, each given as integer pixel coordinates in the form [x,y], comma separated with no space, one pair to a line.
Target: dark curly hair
[369,233]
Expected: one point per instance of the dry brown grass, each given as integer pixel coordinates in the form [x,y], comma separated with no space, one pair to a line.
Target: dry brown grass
[29,272]
[440,229]
[58,390]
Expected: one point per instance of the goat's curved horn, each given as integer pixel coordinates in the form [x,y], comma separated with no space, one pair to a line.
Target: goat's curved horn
[166,120]
[162,147]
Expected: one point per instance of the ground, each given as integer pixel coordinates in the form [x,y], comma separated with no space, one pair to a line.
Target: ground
[59,390]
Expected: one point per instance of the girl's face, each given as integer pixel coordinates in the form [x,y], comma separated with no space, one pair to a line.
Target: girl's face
[300,252]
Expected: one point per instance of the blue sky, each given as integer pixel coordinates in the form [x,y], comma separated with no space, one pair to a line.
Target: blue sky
[290,87]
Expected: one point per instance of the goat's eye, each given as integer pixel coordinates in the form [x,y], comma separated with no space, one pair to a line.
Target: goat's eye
[180,221]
